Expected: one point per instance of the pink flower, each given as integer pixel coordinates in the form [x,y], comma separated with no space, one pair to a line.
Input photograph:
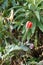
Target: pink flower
[31,46]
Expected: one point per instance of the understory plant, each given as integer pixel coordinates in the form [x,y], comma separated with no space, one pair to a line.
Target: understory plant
[21,32]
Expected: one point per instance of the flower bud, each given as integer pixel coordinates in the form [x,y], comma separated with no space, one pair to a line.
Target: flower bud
[29,24]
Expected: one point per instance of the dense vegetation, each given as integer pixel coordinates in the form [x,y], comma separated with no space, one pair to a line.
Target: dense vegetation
[21,32]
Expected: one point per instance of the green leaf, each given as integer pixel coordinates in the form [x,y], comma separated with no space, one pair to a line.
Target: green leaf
[19,16]
[24,36]
[37,15]
[31,1]
[24,20]
[19,10]
[13,2]
[15,7]
[34,25]
[40,8]
[1,35]
[5,4]
[38,2]
[29,34]
[40,25]
[10,48]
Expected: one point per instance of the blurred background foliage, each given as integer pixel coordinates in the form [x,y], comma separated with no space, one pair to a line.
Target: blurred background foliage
[13,36]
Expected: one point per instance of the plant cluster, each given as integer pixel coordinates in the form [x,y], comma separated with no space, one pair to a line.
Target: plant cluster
[21,32]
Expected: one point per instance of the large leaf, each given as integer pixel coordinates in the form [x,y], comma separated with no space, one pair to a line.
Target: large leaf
[20,15]
[37,15]
[10,48]
[13,2]
[14,7]
[22,23]
[5,4]
[34,25]
[19,10]
[40,25]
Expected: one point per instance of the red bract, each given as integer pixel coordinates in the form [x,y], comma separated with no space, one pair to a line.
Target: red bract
[29,24]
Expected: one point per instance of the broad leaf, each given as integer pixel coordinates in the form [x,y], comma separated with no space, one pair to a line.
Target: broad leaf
[37,15]
[40,25]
